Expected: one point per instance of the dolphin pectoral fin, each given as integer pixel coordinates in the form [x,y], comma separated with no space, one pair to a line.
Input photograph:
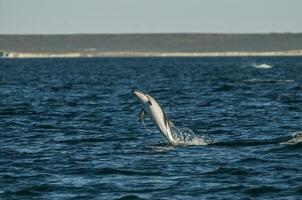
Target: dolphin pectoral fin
[141,115]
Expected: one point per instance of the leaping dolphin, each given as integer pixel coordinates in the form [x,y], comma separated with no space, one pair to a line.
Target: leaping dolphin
[157,115]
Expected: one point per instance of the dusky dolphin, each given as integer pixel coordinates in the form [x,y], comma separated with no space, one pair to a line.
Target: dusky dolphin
[151,108]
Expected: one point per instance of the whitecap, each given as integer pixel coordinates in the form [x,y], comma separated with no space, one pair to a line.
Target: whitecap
[296,138]
[262,66]
[256,80]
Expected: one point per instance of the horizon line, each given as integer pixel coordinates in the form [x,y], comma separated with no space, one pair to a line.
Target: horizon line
[157,33]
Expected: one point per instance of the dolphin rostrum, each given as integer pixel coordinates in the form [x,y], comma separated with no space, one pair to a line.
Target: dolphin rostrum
[151,108]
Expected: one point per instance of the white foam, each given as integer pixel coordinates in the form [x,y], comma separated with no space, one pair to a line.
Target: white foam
[256,80]
[185,136]
[262,66]
[296,138]
[162,148]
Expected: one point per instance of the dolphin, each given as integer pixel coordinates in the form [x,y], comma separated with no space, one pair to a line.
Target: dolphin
[151,108]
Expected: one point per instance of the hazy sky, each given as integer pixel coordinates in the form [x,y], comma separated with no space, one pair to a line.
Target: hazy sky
[141,16]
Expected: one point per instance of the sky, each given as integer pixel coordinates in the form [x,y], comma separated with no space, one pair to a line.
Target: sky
[149,16]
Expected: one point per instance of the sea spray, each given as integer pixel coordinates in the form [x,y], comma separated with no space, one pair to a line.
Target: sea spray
[186,136]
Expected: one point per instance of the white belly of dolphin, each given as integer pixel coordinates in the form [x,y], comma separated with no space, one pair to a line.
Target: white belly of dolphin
[163,125]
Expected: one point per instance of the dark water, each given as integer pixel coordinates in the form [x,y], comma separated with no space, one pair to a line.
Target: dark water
[69,129]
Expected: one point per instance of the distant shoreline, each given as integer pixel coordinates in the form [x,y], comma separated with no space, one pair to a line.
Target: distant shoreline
[148,54]
[150,45]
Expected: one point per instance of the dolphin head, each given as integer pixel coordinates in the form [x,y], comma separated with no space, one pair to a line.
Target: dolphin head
[145,99]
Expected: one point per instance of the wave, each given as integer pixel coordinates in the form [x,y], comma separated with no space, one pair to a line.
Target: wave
[126,172]
[256,80]
[262,66]
[130,197]
[247,142]
[252,142]
[295,139]
[232,171]
[252,160]
[264,189]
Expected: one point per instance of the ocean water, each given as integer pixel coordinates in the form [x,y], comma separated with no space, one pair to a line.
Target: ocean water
[69,128]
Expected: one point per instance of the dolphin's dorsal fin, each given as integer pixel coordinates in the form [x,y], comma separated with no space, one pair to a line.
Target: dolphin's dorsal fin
[141,116]
[166,119]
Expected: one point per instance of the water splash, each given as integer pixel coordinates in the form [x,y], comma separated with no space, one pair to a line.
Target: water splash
[296,138]
[262,66]
[185,136]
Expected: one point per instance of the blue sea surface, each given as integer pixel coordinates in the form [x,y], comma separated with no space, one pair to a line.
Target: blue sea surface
[69,128]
